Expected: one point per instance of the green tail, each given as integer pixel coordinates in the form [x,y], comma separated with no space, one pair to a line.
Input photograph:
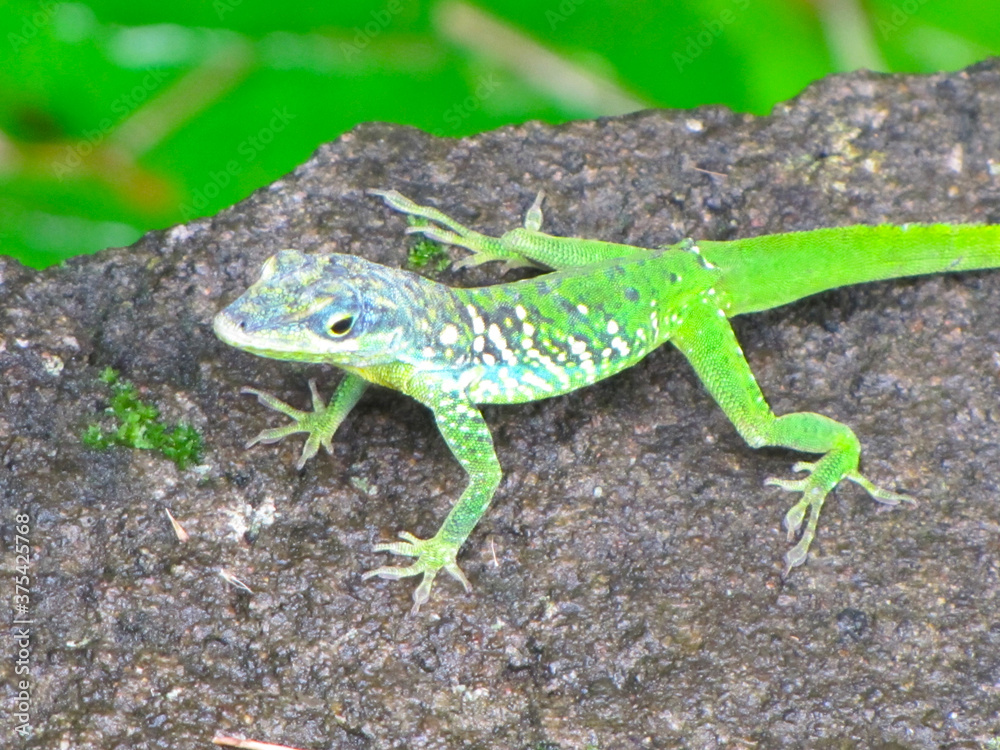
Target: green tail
[764,272]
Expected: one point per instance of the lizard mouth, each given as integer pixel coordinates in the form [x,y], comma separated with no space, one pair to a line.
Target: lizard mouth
[296,345]
[229,330]
[233,331]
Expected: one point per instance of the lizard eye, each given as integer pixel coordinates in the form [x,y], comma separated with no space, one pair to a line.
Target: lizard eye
[340,324]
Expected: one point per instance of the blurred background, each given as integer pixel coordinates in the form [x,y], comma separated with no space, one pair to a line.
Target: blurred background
[119,117]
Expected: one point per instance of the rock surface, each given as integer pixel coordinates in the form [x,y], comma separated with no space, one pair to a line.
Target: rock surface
[628,589]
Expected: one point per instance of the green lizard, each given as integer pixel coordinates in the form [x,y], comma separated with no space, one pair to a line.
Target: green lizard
[602,309]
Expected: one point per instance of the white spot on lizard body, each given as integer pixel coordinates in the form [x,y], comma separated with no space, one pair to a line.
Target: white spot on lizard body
[449,335]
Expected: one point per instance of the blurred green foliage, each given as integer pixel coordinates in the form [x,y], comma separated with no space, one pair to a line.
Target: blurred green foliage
[117,117]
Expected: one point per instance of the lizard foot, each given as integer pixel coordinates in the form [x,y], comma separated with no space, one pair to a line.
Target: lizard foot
[432,555]
[814,489]
[316,423]
[438,226]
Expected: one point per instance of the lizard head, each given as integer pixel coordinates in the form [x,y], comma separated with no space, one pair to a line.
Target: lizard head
[338,309]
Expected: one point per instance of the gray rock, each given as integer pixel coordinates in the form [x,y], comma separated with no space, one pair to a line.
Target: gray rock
[628,588]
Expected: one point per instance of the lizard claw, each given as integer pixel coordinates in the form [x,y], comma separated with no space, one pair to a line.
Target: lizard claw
[315,423]
[438,226]
[432,555]
[814,489]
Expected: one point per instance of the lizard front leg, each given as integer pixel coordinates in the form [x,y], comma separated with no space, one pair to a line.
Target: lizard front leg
[438,226]
[464,429]
[320,424]
[524,246]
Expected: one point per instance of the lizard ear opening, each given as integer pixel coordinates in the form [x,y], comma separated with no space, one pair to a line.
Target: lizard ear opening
[340,324]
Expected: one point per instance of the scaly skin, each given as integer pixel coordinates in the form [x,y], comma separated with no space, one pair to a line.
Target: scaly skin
[602,309]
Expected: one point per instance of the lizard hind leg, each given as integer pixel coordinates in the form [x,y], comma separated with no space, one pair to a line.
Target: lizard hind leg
[707,340]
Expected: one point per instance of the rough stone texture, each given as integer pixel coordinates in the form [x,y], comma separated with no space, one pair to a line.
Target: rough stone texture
[627,580]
